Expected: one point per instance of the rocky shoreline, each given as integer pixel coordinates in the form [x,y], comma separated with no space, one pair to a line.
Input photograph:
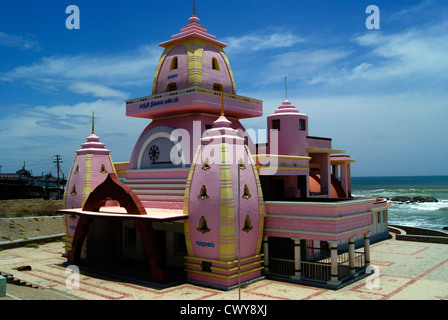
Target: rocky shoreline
[407,199]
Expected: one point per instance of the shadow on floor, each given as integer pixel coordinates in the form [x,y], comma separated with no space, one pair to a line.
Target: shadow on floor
[127,271]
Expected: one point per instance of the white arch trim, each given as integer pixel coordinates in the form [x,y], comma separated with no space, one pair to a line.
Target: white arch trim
[153,137]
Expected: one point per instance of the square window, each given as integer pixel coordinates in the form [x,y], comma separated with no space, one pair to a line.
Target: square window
[217,87]
[206,266]
[276,124]
[171,87]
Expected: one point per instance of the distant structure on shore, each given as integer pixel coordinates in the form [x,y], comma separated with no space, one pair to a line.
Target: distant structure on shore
[23,185]
[199,201]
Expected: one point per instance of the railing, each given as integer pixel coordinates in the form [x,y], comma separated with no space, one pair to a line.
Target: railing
[344,259]
[283,267]
[324,256]
[317,270]
[193,89]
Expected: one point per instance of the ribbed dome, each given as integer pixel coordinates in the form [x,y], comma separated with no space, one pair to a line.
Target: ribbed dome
[93,146]
[286,107]
[193,58]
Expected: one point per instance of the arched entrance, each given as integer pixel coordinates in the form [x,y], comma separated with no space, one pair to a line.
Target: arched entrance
[105,226]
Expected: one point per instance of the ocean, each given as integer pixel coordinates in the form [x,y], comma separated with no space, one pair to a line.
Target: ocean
[432,215]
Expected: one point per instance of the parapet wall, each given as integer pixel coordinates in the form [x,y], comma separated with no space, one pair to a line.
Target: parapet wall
[406,233]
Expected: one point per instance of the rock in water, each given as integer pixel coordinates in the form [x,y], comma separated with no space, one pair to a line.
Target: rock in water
[424,199]
[401,199]
[406,199]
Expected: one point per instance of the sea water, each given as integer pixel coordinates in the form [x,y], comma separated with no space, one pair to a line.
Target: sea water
[432,215]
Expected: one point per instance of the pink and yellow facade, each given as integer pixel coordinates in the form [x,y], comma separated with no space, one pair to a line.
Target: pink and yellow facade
[211,202]
[225,213]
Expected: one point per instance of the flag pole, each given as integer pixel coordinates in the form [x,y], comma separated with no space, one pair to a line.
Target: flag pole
[239,238]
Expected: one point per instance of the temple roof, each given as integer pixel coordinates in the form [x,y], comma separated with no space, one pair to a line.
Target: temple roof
[193,31]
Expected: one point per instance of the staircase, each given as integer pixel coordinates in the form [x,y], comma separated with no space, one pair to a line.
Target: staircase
[159,192]
[18,282]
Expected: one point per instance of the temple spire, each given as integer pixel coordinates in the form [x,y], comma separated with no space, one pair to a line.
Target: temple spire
[194,15]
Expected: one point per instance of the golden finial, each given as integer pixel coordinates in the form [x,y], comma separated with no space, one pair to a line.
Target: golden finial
[222,102]
[194,9]
[93,122]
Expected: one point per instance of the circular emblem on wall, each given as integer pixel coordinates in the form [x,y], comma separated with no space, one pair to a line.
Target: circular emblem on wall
[154,153]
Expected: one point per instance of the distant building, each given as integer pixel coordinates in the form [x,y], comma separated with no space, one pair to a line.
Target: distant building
[176,205]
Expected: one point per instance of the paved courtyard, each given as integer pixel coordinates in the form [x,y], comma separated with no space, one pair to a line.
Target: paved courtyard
[406,270]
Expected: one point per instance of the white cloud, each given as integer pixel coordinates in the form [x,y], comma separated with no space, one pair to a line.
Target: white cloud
[90,73]
[61,129]
[20,42]
[396,61]
[387,134]
[417,52]
[260,41]
[306,65]
[412,10]
[96,90]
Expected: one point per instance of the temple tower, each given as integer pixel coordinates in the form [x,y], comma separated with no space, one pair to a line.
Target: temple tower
[192,77]
[223,225]
[90,168]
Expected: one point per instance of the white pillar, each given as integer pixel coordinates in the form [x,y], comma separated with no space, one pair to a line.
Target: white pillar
[325,175]
[380,221]
[334,261]
[351,254]
[297,259]
[336,170]
[367,248]
[266,253]
[345,178]
[349,180]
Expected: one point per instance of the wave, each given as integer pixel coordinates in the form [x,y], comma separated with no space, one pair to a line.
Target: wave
[423,206]
[433,215]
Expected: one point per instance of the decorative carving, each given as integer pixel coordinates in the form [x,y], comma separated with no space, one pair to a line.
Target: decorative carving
[247,224]
[241,164]
[246,194]
[154,153]
[203,226]
[77,169]
[73,190]
[203,194]
[103,169]
[205,167]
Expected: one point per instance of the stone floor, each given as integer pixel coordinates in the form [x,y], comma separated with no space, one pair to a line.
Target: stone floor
[405,271]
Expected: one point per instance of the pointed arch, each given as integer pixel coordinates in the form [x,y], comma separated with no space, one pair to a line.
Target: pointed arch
[113,189]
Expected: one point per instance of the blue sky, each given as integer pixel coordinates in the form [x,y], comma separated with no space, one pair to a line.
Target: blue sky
[381,95]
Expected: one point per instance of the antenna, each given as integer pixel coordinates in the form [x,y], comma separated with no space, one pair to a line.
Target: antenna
[286,89]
